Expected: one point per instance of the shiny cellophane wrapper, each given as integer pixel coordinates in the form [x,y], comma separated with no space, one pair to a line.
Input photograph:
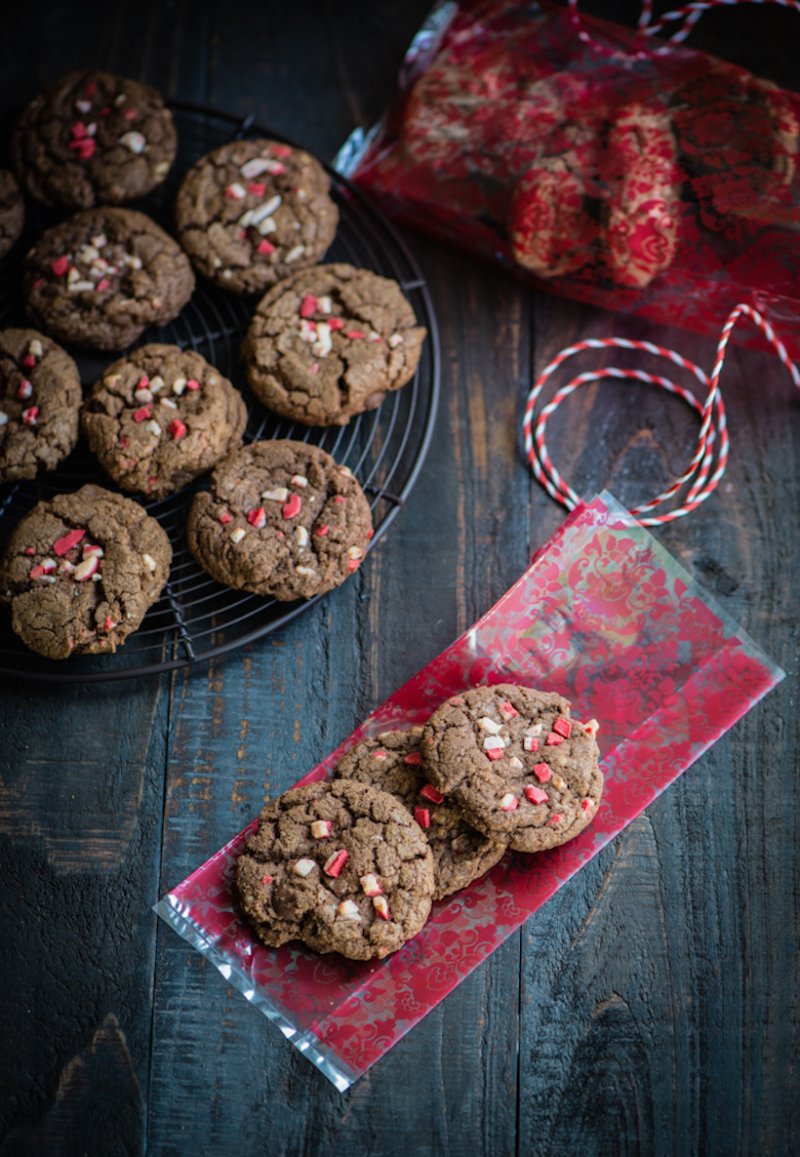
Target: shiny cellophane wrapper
[598,162]
[602,615]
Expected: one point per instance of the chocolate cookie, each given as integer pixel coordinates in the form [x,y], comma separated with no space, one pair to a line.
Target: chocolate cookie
[330,342]
[160,417]
[93,139]
[40,399]
[340,866]
[281,518]
[253,211]
[81,570]
[12,211]
[393,762]
[100,277]
[515,763]
[641,183]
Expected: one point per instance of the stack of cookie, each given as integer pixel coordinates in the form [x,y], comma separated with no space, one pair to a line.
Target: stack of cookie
[326,343]
[353,865]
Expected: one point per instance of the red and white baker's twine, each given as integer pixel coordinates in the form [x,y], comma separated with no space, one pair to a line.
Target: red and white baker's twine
[703,474]
[686,15]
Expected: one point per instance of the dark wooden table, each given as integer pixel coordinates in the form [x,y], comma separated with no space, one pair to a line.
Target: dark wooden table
[652,1005]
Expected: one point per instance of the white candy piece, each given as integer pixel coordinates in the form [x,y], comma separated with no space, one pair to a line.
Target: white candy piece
[304,867]
[149,562]
[295,254]
[493,743]
[299,481]
[134,140]
[277,494]
[301,534]
[348,909]
[488,726]
[238,534]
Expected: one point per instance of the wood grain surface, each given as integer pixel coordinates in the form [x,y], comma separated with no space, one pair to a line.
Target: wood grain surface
[653,1005]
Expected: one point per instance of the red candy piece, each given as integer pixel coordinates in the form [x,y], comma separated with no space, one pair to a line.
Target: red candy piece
[587,804]
[354,334]
[339,500]
[353,564]
[265,247]
[29,361]
[192,384]
[63,545]
[553,739]
[292,507]
[123,441]
[257,517]
[267,879]
[422,816]
[36,571]
[542,772]
[494,753]
[413,757]
[335,324]
[257,188]
[562,726]
[103,284]
[30,415]
[555,818]
[430,792]
[224,518]
[177,429]
[30,551]
[281,150]
[25,389]
[321,530]
[59,266]
[535,794]
[142,414]
[308,306]
[108,624]
[78,130]
[130,114]
[508,709]
[334,864]
[85,147]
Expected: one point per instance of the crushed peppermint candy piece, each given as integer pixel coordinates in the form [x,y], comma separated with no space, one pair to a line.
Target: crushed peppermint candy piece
[149,562]
[348,910]
[379,753]
[295,253]
[494,753]
[25,390]
[224,518]
[530,742]
[3,419]
[236,192]
[257,517]
[86,569]
[142,414]
[321,530]
[553,739]
[517,764]
[336,324]
[258,165]
[423,816]
[91,548]
[292,507]
[267,879]
[154,428]
[323,343]
[542,772]
[307,571]
[509,802]
[301,534]
[178,386]
[381,906]
[562,727]
[535,794]
[587,804]
[308,306]
[321,829]
[108,624]
[303,867]
[371,885]
[591,728]
[35,350]
[59,266]
[335,863]
[555,818]
[176,429]
[133,140]
[493,743]
[170,403]
[63,545]
[428,791]
[83,106]
[558,783]
[414,758]
[489,726]
[238,534]
[265,246]
[192,384]
[353,334]
[277,494]
[299,481]
[509,710]
[257,188]
[324,304]
[30,416]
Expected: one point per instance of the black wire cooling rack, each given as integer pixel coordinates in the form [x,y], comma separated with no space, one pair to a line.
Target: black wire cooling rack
[196,618]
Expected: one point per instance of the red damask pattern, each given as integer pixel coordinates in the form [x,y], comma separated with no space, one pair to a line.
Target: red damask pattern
[606,617]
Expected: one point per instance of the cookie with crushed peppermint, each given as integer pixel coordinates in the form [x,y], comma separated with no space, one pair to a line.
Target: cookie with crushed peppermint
[280,518]
[160,417]
[393,762]
[102,276]
[330,342]
[521,770]
[93,138]
[12,212]
[81,570]
[254,211]
[40,400]
[341,866]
